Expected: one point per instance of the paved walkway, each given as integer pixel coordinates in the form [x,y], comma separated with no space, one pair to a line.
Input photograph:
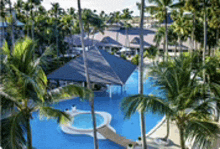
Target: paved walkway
[111,135]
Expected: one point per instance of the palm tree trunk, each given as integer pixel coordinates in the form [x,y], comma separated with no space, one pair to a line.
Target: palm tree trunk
[193,31]
[143,131]
[29,134]
[164,48]
[205,39]
[217,112]
[166,35]
[3,29]
[181,46]
[180,49]
[168,129]
[141,89]
[57,46]
[32,22]
[96,146]
[175,50]
[182,141]
[12,25]
[216,47]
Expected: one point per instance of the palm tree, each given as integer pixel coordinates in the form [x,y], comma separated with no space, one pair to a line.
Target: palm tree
[140,85]
[126,15]
[12,25]
[96,146]
[214,22]
[161,10]
[33,3]
[151,53]
[160,34]
[24,91]
[194,8]
[3,16]
[186,103]
[213,79]
[181,26]
[26,7]
[91,20]
[115,17]
[56,10]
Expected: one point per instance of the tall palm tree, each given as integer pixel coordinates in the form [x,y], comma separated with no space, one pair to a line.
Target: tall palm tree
[12,25]
[3,16]
[160,35]
[115,17]
[186,103]
[126,15]
[214,22]
[161,10]
[96,146]
[181,26]
[33,4]
[56,10]
[24,91]
[140,85]
[193,7]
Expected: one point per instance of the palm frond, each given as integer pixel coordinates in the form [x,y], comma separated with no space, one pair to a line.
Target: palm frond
[8,103]
[143,103]
[13,130]
[51,113]
[71,91]
[203,133]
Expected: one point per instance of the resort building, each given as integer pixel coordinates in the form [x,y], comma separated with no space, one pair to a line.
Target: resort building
[118,39]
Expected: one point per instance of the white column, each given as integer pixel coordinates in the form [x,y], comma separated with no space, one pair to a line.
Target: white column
[110,91]
[83,85]
[136,51]
[121,89]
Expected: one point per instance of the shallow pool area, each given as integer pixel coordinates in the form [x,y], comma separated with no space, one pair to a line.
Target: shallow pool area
[47,134]
[84,121]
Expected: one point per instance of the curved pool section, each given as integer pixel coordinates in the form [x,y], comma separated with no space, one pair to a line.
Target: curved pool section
[84,121]
[47,134]
[84,124]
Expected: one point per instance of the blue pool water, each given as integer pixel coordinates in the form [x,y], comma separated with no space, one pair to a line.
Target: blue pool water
[84,121]
[46,134]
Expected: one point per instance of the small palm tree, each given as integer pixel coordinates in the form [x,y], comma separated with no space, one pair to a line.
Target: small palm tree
[24,91]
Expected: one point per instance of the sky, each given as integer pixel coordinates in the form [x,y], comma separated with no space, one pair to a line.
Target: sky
[99,5]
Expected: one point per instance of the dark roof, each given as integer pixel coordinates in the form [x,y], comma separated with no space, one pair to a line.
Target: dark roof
[108,41]
[102,66]
[76,40]
[137,41]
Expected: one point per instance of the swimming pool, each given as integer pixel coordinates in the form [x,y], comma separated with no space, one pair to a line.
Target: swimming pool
[84,121]
[46,134]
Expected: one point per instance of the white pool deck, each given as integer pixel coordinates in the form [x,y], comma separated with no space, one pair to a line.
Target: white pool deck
[69,129]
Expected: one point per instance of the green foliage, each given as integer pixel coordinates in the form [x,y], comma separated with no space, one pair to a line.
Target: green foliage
[24,91]
[179,80]
[151,52]
[135,60]
[123,56]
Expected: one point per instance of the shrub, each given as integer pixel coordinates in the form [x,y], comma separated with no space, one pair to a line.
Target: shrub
[135,60]
[123,56]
